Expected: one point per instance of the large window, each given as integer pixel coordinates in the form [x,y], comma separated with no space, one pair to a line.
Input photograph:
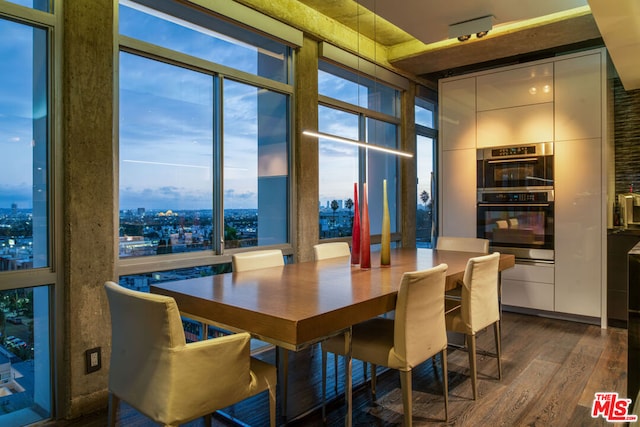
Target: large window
[204,133]
[425,167]
[360,108]
[25,143]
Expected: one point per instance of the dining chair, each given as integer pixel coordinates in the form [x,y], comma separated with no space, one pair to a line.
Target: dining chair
[158,373]
[461,244]
[323,251]
[254,260]
[416,334]
[478,308]
[331,250]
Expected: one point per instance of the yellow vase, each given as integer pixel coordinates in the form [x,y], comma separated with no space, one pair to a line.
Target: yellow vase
[385,250]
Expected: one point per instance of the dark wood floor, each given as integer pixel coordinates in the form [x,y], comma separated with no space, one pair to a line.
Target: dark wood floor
[551,370]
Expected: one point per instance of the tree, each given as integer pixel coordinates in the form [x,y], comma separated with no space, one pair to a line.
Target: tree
[424,196]
[334,208]
[348,204]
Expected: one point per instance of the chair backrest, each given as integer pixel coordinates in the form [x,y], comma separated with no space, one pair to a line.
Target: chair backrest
[464,244]
[331,250]
[479,305]
[254,260]
[145,328]
[420,329]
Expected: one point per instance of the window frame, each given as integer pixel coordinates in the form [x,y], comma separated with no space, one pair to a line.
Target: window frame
[363,115]
[218,255]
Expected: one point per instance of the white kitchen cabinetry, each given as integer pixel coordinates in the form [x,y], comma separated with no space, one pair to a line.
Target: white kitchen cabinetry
[458,114]
[578,97]
[516,125]
[578,233]
[458,195]
[515,87]
[529,285]
[580,184]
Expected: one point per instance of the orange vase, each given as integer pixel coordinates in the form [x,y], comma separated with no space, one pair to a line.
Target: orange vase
[365,236]
[355,232]
[385,249]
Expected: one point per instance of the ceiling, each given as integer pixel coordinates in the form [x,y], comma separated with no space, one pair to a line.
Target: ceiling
[416,32]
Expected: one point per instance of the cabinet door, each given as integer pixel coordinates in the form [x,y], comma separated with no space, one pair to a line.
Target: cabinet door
[458,113]
[458,195]
[578,97]
[517,125]
[579,227]
[516,87]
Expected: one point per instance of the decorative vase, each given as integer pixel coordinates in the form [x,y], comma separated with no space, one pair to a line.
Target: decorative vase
[365,237]
[385,249]
[355,232]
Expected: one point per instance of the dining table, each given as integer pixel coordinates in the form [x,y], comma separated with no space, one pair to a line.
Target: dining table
[300,304]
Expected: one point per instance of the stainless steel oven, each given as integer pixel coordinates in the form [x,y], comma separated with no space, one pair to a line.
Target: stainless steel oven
[520,223]
[516,167]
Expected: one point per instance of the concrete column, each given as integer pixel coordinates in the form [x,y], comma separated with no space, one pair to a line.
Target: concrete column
[305,153]
[89,200]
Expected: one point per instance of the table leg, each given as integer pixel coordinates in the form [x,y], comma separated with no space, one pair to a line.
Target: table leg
[347,378]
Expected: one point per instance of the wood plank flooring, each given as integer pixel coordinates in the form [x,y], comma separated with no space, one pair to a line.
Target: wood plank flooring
[551,371]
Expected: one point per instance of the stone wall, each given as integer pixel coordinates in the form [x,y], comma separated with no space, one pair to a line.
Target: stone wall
[626,107]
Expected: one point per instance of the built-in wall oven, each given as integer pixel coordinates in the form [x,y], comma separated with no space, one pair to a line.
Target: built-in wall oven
[515,206]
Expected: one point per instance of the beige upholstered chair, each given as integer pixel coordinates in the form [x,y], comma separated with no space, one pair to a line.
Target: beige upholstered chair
[416,334]
[254,260]
[153,369]
[478,308]
[462,244]
[331,250]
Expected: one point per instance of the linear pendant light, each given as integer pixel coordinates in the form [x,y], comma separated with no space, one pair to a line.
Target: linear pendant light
[356,142]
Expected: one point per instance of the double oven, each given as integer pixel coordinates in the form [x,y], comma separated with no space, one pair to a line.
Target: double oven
[516,200]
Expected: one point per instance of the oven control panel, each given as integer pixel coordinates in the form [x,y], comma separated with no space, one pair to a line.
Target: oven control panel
[511,197]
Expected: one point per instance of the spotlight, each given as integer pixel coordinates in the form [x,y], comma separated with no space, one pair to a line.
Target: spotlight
[464,30]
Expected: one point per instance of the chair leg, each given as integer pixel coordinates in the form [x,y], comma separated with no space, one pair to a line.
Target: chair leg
[471,343]
[405,385]
[207,420]
[496,333]
[272,407]
[445,384]
[114,402]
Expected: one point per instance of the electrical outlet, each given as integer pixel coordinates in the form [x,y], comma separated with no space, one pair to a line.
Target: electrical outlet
[93,359]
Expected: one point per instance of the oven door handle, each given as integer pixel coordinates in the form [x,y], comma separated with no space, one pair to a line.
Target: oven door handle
[525,205]
[531,159]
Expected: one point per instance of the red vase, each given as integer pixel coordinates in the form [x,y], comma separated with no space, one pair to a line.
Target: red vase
[365,236]
[355,232]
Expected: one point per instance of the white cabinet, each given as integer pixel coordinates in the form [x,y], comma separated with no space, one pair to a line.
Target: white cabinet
[579,227]
[516,125]
[458,114]
[458,195]
[529,285]
[516,87]
[579,97]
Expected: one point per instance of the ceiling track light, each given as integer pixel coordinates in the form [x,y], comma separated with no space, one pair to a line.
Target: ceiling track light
[464,38]
[481,34]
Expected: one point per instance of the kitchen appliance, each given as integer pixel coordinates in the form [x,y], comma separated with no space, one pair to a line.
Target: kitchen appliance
[629,204]
[519,223]
[516,167]
[515,205]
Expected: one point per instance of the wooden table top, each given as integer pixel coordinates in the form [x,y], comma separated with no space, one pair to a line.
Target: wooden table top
[299,304]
